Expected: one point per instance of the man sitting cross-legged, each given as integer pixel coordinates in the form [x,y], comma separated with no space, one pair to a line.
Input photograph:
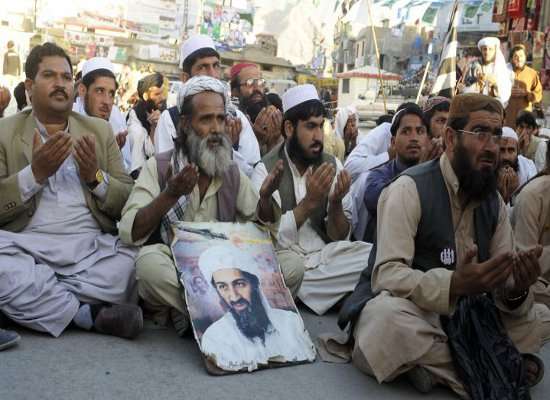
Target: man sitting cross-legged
[313,194]
[62,187]
[444,233]
[197,182]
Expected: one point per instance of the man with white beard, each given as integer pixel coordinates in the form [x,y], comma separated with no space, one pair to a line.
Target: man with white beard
[195,182]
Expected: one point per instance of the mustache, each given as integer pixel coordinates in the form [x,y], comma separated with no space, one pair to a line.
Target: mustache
[59,91]
[240,302]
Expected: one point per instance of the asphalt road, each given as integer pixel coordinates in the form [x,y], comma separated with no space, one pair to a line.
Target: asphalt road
[160,365]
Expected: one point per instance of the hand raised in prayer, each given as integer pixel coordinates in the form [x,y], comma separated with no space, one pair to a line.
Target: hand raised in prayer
[503,183]
[153,119]
[233,128]
[183,182]
[471,278]
[524,140]
[267,125]
[526,270]
[121,139]
[47,157]
[343,184]
[433,150]
[84,154]
[272,181]
[318,183]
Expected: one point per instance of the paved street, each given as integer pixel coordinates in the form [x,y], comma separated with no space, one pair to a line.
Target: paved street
[159,365]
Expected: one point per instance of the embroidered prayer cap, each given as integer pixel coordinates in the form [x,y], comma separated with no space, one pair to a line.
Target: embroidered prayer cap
[93,64]
[202,83]
[434,101]
[488,41]
[509,133]
[464,104]
[235,69]
[193,44]
[226,256]
[298,95]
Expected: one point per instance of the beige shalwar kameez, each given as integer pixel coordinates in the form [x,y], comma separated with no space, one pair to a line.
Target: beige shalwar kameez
[400,328]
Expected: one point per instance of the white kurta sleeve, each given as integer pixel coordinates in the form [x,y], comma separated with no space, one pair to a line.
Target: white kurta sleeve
[249,148]
[243,165]
[372,150]
[540,156]
[164,133]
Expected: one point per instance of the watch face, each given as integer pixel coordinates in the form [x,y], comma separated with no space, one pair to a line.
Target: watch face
[99,176]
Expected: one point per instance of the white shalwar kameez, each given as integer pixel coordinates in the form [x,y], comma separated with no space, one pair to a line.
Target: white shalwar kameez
[331,269]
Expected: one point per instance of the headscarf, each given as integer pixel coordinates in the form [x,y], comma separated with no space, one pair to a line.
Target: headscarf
[202,83]
[235,69]
[341,119]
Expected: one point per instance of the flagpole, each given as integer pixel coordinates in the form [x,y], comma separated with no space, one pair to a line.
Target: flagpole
[377,57]
[423,82]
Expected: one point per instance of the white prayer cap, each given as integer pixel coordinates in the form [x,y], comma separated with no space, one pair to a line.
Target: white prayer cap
[194,43]
[226,256]
[298,95]
[508,132]
[96,63]
[488,41]
[202,83]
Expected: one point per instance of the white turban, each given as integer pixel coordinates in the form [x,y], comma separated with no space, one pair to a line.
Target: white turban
[226,256]
[199,84]
[509,133]
[488,41]
[342,117]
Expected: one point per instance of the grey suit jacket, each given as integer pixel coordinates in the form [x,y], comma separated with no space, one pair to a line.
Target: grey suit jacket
[16,142]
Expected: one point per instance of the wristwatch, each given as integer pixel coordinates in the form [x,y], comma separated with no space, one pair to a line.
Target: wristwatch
[98,179]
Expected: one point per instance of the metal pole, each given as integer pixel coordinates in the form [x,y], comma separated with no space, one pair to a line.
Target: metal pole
[377,57]
[423,81]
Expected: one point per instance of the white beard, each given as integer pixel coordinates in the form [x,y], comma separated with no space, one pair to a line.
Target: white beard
[213,162]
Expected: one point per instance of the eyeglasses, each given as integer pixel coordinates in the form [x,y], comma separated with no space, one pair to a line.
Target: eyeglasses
[253,82]
[483,135]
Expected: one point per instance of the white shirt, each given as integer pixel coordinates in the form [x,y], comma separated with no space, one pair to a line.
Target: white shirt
[286,340]
[526,170]
[371,151]
[540,155]
[246,157]
[140,143]
[304,240]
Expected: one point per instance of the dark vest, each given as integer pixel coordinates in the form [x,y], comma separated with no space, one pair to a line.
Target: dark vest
[286,188]
[434,241]
[226,196]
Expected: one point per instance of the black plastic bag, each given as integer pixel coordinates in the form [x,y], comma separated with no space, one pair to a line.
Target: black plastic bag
[487,361]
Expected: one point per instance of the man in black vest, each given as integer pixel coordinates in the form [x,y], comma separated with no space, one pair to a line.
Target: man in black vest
[316,208]
[443,233]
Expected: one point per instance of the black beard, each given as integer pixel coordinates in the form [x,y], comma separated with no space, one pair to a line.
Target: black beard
[253,108]
[514,165]
[253,322]
[477,185]
[297,153]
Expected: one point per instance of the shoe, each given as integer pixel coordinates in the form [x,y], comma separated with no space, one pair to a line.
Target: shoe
[421,379]
[121,320]
[181,321]
[8,339]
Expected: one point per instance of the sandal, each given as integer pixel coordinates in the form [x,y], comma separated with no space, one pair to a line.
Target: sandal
[529,358]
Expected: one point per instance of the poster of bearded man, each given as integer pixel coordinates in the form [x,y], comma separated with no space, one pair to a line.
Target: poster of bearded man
[242,314]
